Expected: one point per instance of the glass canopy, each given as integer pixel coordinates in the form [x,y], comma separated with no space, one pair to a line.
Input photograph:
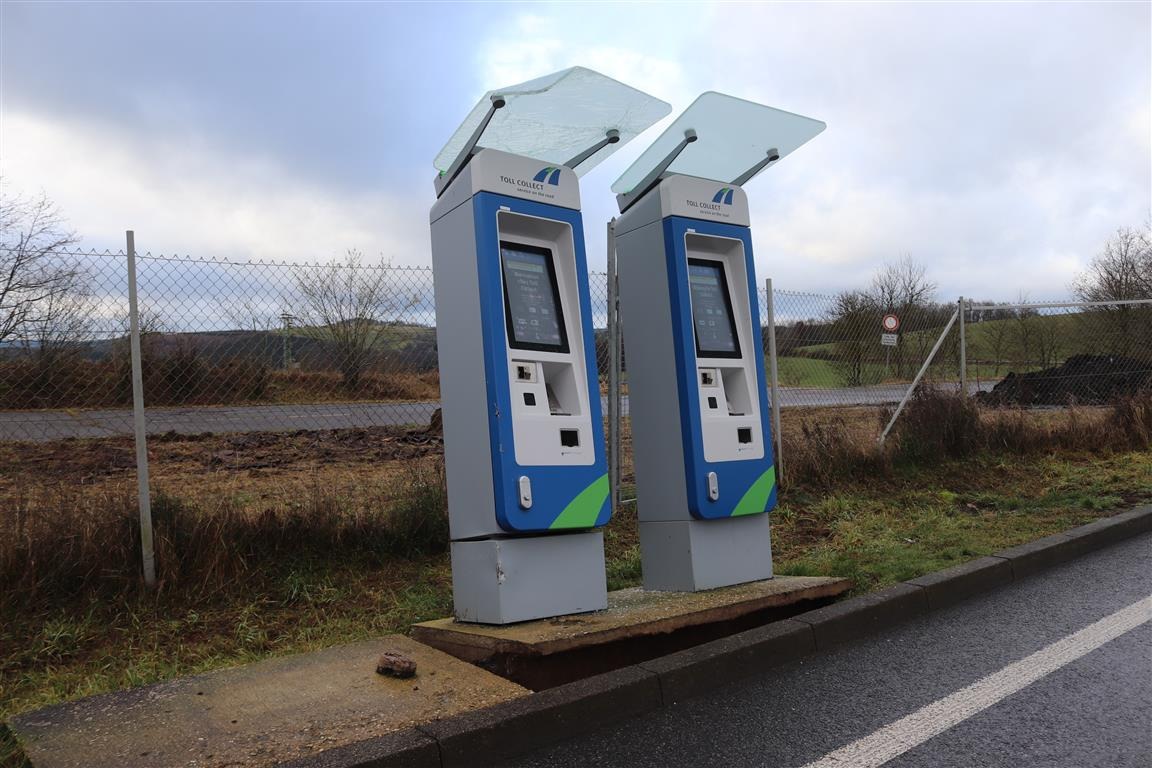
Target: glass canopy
[732,136]
[556,117]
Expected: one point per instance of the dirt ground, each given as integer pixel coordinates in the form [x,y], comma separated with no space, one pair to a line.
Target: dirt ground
[270,464]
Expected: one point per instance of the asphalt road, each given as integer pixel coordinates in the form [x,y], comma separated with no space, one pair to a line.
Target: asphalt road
[54,425]
[1095,711]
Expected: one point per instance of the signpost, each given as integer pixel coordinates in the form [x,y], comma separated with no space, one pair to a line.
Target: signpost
[889,338]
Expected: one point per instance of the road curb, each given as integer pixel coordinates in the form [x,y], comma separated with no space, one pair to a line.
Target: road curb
[403,749]
[1035,556]
[951,585]
[846,620]
[490,736]
[697,670]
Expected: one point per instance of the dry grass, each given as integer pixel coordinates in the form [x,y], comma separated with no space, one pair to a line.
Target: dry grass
[278,543]
[213,525]
[824,448]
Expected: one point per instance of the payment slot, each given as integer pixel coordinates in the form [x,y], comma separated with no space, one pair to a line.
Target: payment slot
[705,478]
[523,430]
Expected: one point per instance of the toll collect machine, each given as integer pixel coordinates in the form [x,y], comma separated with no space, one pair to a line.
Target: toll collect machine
[701,432]
[524,443]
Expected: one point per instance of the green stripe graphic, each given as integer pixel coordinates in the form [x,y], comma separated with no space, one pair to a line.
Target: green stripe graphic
[583,510]
[755,499]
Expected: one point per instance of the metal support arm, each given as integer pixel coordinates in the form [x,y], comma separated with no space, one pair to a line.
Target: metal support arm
[772,156]
[612,136]
[444,179]
[625,200]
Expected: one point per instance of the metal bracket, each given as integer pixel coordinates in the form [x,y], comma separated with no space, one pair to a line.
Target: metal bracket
[444,179]
[626,200]
[770,159]
[611,137]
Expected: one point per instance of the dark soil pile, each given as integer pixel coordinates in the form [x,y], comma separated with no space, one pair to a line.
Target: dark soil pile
[1088,379]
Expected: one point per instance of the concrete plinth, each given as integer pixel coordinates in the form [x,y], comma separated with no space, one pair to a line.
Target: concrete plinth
[691,555]
[506,580]
[260,714]
[636,626]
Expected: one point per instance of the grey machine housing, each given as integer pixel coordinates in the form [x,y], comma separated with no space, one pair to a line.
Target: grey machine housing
[679,551]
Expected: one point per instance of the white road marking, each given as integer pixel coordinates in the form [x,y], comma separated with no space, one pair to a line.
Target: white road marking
[894,740]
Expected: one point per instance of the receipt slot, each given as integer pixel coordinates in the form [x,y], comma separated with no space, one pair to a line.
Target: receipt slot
[705,478]
[523,431]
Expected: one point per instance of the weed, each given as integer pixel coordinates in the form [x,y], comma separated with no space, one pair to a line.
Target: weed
[11,755]
[418,523]
[625,569]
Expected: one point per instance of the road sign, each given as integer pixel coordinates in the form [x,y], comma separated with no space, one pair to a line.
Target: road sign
[890,323]
[888,339]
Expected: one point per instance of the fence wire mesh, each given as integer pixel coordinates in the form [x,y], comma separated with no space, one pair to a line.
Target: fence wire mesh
[63,346]
[286,346]
[250,347]
[1057,354]
[830,349]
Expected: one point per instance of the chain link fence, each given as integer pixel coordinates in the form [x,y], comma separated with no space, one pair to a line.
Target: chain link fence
[256,348]
[831,350]
[225,347]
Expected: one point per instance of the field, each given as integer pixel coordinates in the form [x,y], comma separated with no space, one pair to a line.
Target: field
[279,543]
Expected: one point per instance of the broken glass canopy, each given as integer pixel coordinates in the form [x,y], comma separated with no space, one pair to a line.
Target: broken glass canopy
[556,117]
[732,136]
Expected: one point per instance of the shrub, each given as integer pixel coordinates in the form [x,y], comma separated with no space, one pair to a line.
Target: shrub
[935,426]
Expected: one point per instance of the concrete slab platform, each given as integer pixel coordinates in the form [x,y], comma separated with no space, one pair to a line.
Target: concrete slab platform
[636,627]
[262,714]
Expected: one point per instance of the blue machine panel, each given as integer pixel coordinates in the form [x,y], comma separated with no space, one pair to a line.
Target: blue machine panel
[564,497]
[749,484]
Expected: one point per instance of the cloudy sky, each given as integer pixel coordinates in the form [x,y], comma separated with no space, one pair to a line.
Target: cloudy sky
[998,143]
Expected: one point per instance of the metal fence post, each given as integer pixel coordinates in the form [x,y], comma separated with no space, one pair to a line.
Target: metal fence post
[963,352]
[145,501]
[774,379]
[613,373]
[919,375]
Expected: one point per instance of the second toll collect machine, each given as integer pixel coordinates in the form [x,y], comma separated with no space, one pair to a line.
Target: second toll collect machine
[523,433]
[701,432]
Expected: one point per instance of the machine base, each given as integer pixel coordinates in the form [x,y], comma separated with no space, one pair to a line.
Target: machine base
[500,581]
[692,555]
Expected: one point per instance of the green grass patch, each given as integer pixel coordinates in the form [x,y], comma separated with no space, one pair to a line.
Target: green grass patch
[925,520]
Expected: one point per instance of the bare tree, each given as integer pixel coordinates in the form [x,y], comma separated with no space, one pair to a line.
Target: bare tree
[903,288]
[346,305]
[902,284]
[1121,271]
[997,332]
[856,327]
[1025,335]
[59,325]
[34,267]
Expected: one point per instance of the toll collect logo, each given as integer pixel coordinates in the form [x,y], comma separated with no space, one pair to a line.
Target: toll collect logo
[551,174]
[716,208]
[723,196]
[538,185]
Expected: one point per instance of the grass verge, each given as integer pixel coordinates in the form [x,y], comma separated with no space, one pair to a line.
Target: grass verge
[278,559]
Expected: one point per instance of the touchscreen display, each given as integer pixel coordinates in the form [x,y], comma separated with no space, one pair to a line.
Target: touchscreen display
[712,310]
[531,299]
